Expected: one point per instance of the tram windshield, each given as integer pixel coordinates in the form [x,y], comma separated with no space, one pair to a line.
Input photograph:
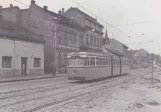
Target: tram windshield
[76,62]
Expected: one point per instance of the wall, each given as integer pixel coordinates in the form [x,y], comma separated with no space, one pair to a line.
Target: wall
[11,14]
[22,49]
[75,15]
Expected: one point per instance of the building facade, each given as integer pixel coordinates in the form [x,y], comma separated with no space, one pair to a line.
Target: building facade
[69,34]
[94,30]
[21,51]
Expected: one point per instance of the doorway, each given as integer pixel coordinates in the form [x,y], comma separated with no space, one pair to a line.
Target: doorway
[23,66]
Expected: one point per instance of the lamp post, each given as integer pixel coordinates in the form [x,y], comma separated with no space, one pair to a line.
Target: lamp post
[56,21]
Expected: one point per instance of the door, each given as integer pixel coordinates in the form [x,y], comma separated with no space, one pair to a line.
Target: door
[23,66]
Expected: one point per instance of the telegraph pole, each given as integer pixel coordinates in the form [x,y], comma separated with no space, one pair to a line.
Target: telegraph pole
[152,71]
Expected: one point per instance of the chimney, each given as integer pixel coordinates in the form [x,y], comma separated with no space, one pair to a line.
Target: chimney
[59,12]
[63,11]
[32,2]
[11,5]
[45,7]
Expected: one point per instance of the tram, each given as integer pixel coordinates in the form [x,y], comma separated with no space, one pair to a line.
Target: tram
[91,65]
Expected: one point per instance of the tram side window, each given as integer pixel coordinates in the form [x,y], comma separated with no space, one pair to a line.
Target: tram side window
[101,61]
[87,61]
[97,61]
[92,61]
[109,62]
[113,61]
[104,61]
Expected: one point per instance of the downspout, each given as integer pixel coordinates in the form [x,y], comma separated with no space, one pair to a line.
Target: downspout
[14,57]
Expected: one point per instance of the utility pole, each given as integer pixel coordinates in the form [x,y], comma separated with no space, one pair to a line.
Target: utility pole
[152,69]
[56,21]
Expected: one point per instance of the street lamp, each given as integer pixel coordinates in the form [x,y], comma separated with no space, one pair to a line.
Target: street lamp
[56,21]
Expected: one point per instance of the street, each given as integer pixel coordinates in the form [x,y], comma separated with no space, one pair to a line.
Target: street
[58,95]
[5,87]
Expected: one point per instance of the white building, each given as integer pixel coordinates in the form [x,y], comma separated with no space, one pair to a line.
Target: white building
[21,51]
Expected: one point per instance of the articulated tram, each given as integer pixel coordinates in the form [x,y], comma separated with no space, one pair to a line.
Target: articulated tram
[90,65]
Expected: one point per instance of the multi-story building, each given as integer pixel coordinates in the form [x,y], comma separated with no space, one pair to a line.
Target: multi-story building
[21,51]
[40,20]
[94,30]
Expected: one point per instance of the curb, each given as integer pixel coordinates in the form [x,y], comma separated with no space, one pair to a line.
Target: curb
[18,80]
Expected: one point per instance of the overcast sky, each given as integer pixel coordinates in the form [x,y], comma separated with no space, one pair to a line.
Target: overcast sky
[146,14]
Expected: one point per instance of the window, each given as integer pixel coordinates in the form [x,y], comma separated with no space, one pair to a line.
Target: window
[106,61]
[76,62]
[91,40]
[87,61]
[87,41]
[94,41]
[65,40]
[6,61]
[97,61]
[92,61]
[97,42]
[36,62]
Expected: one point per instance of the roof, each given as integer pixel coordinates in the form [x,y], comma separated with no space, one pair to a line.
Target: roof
[64,20]
[121,43]
[87,16]
[115,52]
[17,31]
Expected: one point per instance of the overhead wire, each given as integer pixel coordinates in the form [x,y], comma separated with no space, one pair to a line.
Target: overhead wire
[136,23]
[20,2]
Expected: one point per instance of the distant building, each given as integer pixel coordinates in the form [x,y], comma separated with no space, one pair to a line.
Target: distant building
[21,51]
[116,46]
[94,30]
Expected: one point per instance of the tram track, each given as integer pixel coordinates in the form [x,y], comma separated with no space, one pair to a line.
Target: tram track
[84,97]
[21,98]
[51,96]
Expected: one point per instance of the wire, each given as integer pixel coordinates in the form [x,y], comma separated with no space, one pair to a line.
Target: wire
[100,18]
[136,23]
[21,2]
[141,42]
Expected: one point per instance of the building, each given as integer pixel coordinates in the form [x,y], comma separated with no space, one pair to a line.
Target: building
[21,51]
[69,34]
[94,30]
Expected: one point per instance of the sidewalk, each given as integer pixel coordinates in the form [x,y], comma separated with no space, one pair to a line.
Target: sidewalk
[26,78]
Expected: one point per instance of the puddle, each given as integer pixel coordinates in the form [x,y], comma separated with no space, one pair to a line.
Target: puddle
[153,103]
[139,105]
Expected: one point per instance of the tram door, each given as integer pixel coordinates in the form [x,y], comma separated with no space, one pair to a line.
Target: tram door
[111,65]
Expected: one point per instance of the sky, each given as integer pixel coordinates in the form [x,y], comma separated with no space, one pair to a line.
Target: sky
[136,23]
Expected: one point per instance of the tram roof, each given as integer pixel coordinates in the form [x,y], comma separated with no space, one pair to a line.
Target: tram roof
[88,54]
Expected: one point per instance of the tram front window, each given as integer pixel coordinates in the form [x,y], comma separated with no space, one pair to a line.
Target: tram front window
[76,62]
